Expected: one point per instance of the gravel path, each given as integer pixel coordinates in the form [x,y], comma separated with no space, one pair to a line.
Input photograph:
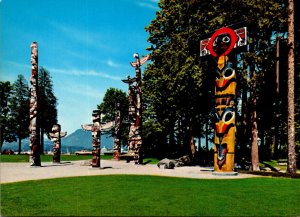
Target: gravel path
[15,172]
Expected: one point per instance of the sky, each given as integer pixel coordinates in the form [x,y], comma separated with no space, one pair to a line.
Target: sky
[86,45]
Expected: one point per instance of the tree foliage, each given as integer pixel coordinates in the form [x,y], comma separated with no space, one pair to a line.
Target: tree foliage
[178,84]
[6,122]
[15,103]
[108,107]
[19,109]
[47,103]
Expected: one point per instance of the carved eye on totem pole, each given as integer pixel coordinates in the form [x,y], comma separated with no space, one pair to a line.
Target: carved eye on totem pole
[225,78]
[225,123]
[221,44]
[55,128]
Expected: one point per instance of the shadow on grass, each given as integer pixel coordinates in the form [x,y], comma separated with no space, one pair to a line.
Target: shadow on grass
[104,168]
[54,164]
[273,174]
[147,162]
[273,169]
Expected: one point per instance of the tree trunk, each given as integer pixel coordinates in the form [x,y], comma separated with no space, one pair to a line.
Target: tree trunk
[244,136]
[254,144]
[276,130]
[42,141]
[20,146]
[243,132]
[1,138]
[291,167]
[206,136]
[192,143]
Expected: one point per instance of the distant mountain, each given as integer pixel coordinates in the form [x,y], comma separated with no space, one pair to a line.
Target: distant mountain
[83,139]
[25,145]
[78,140]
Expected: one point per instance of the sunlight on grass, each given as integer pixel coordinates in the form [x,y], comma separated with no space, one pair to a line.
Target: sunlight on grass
[48,158]
[120,195]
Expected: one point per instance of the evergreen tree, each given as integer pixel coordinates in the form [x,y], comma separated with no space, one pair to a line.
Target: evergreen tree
[173,78]
[178,90]
[46,105]
[19,108]
[6,131]
[108,106]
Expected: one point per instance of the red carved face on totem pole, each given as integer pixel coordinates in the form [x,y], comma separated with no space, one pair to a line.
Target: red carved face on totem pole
[222,42]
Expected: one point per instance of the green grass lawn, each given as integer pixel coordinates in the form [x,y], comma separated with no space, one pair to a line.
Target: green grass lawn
[120,195]
[48,158]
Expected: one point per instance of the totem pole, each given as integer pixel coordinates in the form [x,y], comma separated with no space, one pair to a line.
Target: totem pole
[56,136]
[220,46]
[131,114]
[117,145]
[35,159]
[96,134]
[135,110]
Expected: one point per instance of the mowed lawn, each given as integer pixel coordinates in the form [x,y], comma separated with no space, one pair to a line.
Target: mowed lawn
[47,158]
[122,195]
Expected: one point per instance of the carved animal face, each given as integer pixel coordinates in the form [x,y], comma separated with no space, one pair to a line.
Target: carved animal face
[225,122]
[221,43]
[222,152]
[224,78]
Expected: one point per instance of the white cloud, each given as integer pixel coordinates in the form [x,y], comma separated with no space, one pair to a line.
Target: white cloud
[77,72]
[10,69]
[151,4]
[111,63]
[84,36]
[84,90]
[18,65]
[114,64]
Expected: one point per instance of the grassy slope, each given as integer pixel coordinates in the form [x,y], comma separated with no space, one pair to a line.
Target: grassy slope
[151,196]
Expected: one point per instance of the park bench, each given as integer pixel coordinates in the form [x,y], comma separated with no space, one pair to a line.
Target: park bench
[127,157]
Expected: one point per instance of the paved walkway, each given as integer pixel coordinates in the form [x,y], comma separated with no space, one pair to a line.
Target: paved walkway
[15,172]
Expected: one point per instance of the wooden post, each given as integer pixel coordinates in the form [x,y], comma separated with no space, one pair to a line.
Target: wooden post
[137,137]
[117,145]
[96,135]
[35,159]
[56,136]
[131,114]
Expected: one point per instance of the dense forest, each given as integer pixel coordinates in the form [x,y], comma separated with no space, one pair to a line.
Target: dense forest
[178,84]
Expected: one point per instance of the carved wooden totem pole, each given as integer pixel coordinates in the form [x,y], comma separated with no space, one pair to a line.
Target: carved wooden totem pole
[135,110]
[56,136]
[220,46]
[35,159]
[131,114]
[117,134]
[96,134]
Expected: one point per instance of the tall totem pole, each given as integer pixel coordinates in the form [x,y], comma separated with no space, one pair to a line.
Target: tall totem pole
[131,114]
[96,134]
[220,46]
[56,136]
[117,134]
[34,129]
[135,110]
